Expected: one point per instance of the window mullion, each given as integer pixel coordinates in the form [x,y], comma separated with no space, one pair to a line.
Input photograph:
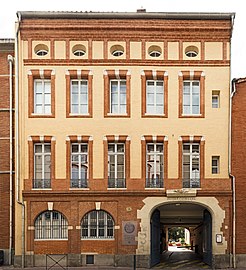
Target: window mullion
[79,85]
[118,90]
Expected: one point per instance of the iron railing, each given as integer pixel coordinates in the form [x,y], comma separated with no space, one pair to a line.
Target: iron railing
[42,183]
[116,182]
[78,183]
[191,183]
[154,183]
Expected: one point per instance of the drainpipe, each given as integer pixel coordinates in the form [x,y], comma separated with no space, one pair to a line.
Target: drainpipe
[10,61]
[17,148]
[233,178]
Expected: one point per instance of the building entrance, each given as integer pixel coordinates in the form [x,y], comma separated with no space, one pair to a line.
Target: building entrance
[181,233]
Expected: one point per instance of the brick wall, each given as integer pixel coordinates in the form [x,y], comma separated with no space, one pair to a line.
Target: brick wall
[6,48]
[238,161]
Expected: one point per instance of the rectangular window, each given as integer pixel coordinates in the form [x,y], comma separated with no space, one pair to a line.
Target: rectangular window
[118,96]
[42,96]
[154,165]
[191,97]
[215,164]
[79,97]
[154,97]
[215,99]
[79,165]
[191,165]
[42,165]
[116,165]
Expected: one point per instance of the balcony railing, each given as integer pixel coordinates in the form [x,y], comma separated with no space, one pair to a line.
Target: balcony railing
[78,183]
[41,183]
[116,182]
[191,183]
[154,183]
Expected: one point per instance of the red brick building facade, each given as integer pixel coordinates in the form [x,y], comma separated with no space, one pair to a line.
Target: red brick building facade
[103,171]
[237,165]
[6,151]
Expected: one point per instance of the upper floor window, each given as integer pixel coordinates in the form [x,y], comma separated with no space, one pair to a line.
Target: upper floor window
[42,165]
[116,165]
[154,51]
[191,165]
[154,93]
[79,97]
[117,50]
[117,93]
[118,96]
[215,164]
[79,165]
[51,225]
[154,153]
[79,50]
[41,87]
[155,97]
[191,97]
[79,93]
[42,96]
[97,224]
[191,94]
[117,160]
[154,164]
[215,99]
[191,51]
[41,49]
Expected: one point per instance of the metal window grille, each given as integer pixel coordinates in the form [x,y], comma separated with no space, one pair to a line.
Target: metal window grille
[51,225]
[97,224]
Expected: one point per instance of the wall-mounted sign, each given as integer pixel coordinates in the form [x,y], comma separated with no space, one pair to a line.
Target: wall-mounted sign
[129,232]
[219,238]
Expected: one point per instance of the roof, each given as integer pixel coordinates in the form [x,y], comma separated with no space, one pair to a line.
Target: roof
[141,14]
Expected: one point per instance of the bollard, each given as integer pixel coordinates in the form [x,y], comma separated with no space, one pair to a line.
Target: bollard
[134,262]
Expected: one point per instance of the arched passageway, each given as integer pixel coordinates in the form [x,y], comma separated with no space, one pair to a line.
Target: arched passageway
[170,250]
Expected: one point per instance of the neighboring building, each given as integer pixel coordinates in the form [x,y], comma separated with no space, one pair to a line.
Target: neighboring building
[122,132]
[6,149]
[238,156]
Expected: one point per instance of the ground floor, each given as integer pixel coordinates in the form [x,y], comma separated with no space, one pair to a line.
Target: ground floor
[124,228]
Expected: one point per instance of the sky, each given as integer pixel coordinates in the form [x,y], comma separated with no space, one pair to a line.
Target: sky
[238,51]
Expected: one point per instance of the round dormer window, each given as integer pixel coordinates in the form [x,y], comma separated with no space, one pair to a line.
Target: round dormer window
[79,50]
[41,50]
[154,51]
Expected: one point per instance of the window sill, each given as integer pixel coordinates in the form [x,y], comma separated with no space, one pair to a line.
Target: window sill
[65,239]
[79,114]
[79,189]
[97,239]
[156,188]
[116,188]
[192,115]
[41,189]
[117,115]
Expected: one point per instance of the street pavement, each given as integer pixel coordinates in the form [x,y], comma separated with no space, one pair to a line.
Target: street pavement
[174,258]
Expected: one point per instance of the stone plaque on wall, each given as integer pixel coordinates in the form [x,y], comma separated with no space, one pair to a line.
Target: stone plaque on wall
[129,232]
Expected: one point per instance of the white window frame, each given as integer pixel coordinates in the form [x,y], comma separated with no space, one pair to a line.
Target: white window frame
[217,166]
[115,155]
[79,103]
[80,163]
[43,96]
[155,86]
[191,105]
[96,227]
[216,98]
[193,175]
[118,111]
[156,156]
[42,154]
[54,227]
